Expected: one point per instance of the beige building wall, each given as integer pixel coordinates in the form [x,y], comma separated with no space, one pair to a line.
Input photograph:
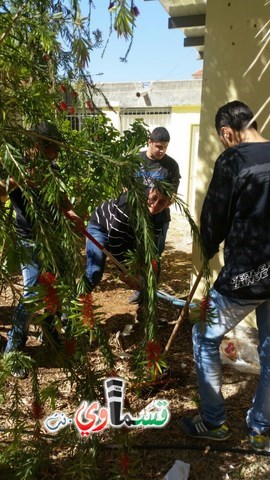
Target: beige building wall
[113,115]
[183,119]
[231,46]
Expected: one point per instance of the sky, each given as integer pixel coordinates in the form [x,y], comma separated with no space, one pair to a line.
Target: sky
[157,52]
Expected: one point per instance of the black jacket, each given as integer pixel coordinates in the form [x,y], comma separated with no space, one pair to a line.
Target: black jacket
[237,210]
[24,220]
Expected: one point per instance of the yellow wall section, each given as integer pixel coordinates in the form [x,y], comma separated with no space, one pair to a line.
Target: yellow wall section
[230,48]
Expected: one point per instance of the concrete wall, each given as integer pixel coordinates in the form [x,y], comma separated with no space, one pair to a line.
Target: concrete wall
[161,93]
[230,48]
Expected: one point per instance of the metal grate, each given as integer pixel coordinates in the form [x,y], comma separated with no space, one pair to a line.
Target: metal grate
[153,117]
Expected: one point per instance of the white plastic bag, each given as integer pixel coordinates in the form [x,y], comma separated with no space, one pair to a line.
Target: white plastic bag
[241,354]
[179,471]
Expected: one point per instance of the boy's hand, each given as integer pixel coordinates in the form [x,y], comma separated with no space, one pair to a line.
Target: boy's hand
[134,283]
[74,218]
[7,187]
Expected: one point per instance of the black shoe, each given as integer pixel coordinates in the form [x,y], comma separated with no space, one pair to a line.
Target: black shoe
[195,427]
[135,298]
[50,335]
[19,372]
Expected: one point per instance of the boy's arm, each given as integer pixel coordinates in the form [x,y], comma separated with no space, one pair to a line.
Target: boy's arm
[69,212]
[7,186]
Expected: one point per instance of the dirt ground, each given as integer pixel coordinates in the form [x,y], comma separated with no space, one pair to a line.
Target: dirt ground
[157,449]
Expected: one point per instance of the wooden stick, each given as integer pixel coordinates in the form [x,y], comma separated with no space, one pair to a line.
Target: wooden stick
[110,255]
[106,252]
[98,245]
[184,311]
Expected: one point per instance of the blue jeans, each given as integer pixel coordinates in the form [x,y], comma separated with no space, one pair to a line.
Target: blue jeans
[95,258]
[162,238]
[17,336]
[206,342]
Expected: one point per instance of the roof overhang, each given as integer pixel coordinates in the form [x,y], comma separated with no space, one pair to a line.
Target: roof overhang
[189,16]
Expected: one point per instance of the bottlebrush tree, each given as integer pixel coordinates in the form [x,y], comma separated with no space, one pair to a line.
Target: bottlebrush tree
[45,52]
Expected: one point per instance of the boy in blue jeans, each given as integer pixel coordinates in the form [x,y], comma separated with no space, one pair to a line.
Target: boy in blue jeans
[236,210]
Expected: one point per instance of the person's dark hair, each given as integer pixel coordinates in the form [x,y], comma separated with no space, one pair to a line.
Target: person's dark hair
[160,134]
[236,115]
[47,130]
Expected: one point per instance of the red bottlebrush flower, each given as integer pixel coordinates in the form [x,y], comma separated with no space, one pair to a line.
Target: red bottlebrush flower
[74,94]
[37,410]
[89,105]
[47,278]
[63,106]
[155,266]
[135,11]
[124,463]
[153,352]
[71,110]
[204,308]
[63,88]
[70,346]
[53,304]
[87,310]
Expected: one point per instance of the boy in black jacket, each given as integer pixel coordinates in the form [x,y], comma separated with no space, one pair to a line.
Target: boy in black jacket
[236,210]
